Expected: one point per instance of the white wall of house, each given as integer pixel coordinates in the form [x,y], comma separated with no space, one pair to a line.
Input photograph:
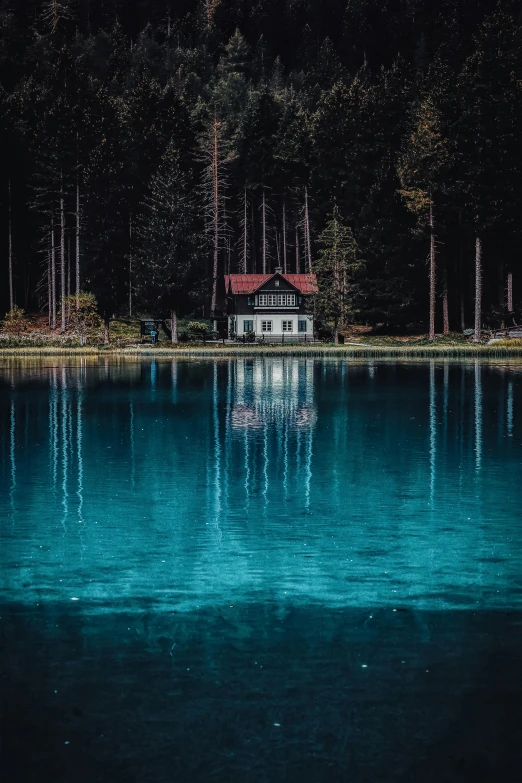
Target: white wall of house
[286,324]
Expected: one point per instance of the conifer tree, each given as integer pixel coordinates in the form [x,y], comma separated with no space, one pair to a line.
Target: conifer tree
[167,258]
[337,266]
[488,173]
[421,169]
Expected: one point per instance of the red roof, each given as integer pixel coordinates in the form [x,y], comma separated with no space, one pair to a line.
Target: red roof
[248,284]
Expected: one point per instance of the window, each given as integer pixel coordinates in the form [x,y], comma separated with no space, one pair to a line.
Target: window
[266,326]
[277,283]
[287,326]
[269,300]
[248,326]
[302,326]
[273,300]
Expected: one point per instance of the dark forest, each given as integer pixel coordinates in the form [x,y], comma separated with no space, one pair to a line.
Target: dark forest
[149,148]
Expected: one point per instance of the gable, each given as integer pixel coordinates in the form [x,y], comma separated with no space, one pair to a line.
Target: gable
[277,283]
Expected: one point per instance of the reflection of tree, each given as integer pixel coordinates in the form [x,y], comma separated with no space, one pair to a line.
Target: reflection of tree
[79,438]
[65,444]
[510,409]
[433,431]
[478,416]
[160,521]
[12,456]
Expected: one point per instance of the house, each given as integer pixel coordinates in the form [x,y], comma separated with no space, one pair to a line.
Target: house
[270,305]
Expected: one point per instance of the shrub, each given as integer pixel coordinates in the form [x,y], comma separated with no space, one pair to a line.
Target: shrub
[15,321]
[83,315]
[198,327]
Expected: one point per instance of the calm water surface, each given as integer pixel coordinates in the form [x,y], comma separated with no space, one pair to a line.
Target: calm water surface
[282,548]
[264,479]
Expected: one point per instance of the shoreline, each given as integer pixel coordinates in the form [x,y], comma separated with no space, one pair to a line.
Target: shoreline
[339,351]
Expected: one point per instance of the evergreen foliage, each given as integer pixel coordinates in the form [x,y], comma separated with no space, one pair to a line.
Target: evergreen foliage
[409,122]
[337,267]
[166,256]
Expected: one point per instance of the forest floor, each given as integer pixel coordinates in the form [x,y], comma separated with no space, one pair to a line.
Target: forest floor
[37,337]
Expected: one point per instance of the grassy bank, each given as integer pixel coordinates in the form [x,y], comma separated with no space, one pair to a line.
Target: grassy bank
[510,348]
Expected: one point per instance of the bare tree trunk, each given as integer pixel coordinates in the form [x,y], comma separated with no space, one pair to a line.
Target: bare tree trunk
[308,247]
[173,326]
[445,309]
[215,216]
[264,231]
[106,325]
[49,290]
[296,249]
[510,292]
[130,263]
[433,271]
[27,288]
[500,285]
[62,254]
[461,277]
[284,235]
[461,286]
[253,239]
[77,239]
[245,232]
[69,277]
[53,275]
[478,289]
[225,245]
[501,294]
[11,290]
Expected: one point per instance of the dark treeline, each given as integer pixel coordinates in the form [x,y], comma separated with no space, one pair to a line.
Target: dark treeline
[150,147]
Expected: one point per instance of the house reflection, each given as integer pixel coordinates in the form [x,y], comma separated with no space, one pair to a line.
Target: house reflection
[210,478]
[276,393]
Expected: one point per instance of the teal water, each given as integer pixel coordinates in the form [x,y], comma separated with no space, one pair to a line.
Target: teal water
[260,569]
[264,479]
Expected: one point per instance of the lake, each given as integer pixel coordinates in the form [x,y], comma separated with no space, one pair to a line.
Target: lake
[260,569]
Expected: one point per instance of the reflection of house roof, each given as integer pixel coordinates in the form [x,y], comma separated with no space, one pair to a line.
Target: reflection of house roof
[248,284]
